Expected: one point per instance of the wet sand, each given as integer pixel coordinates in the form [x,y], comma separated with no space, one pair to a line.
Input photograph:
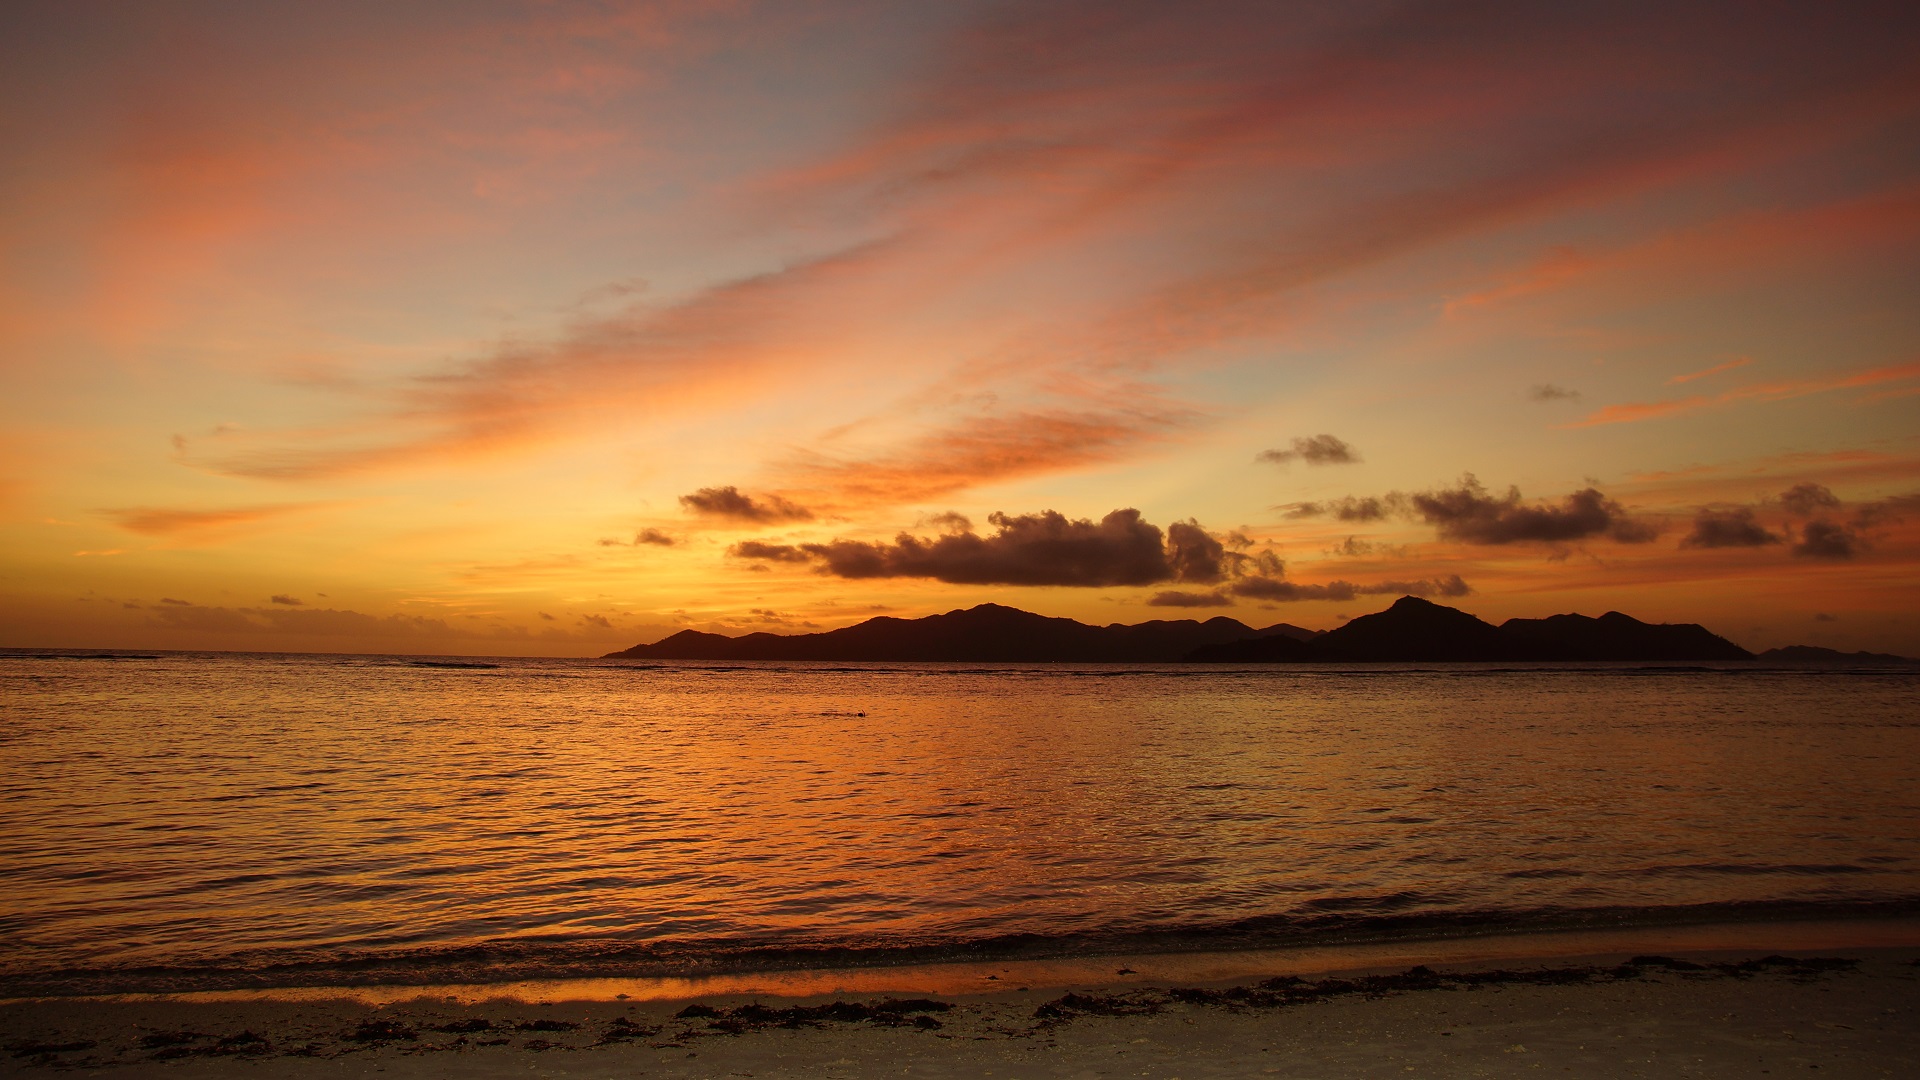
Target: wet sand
[1848,1013]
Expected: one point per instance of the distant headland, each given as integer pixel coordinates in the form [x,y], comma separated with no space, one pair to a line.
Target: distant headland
[1412,630]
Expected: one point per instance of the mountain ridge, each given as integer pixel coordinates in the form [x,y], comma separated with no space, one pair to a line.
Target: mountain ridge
[1410,630]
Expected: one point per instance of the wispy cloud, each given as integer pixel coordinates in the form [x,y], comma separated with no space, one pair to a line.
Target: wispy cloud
[996,165]
[1782,390]
[1717,369]
[973,451]
[170,521]
[1550,392]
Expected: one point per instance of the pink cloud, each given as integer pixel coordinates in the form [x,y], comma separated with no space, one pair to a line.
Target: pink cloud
[1781,390]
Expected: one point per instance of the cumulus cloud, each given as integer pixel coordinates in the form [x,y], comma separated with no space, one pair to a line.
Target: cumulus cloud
[1049,548]
[1266,588]
[1193,554]
[1821,539]
[1176,598]
[728,503]
[1276,589]
[1727,528]
[1046,548]
[1314,450]
[1894,508]
[1471,515]
[1550,392]
[1808,499]
[757,549]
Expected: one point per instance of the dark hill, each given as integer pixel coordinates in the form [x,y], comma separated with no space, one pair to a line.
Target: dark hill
[1614,636]
[1814,654]
[1412,630]
[1415,630]
[1270,649]
[988,633]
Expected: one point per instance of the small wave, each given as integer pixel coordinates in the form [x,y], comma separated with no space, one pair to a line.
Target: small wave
[530,959]
[77,656]
[449,664]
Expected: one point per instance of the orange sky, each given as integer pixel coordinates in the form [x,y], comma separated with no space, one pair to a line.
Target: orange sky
[548,328]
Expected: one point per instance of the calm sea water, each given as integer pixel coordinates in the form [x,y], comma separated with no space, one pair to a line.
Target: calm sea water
[202,821]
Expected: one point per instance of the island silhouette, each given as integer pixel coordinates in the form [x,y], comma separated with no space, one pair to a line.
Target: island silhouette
[1411,630]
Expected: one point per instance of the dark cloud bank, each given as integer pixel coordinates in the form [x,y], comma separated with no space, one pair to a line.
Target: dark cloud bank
[728,503]
[1314,450]
[1050,549]
[1819,536]
[1470,514]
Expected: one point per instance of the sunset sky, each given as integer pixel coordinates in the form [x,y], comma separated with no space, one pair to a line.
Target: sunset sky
[550,328]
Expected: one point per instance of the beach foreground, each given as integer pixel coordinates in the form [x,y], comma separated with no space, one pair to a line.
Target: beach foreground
[1851,1013]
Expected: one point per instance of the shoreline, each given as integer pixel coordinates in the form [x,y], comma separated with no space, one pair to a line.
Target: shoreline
[1203,966]
[1734,1011]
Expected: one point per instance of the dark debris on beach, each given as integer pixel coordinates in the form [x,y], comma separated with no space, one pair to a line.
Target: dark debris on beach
[1292,990]
[428,1034]
[892,1012]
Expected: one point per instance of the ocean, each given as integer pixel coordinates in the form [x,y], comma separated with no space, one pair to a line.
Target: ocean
[187,821]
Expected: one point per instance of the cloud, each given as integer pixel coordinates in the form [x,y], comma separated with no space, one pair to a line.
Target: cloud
[1808,499]
[1332,137]
[1046,548]
[598,372]
[1890,509]
[1176,598]
[1194,555]
[166,521]
[1821,539]
[1276,589]
[756,549]
[289,601]
[1782,390]
[1551,392]
[652,537]
[1714,370]
[1354,548]
[1314,450]
[1471,515]
[1349,508]
[1280,590]
[1727,528]
[729,504]
[970,451]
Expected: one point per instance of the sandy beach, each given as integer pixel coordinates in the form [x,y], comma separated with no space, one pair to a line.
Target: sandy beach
[1846,1012]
